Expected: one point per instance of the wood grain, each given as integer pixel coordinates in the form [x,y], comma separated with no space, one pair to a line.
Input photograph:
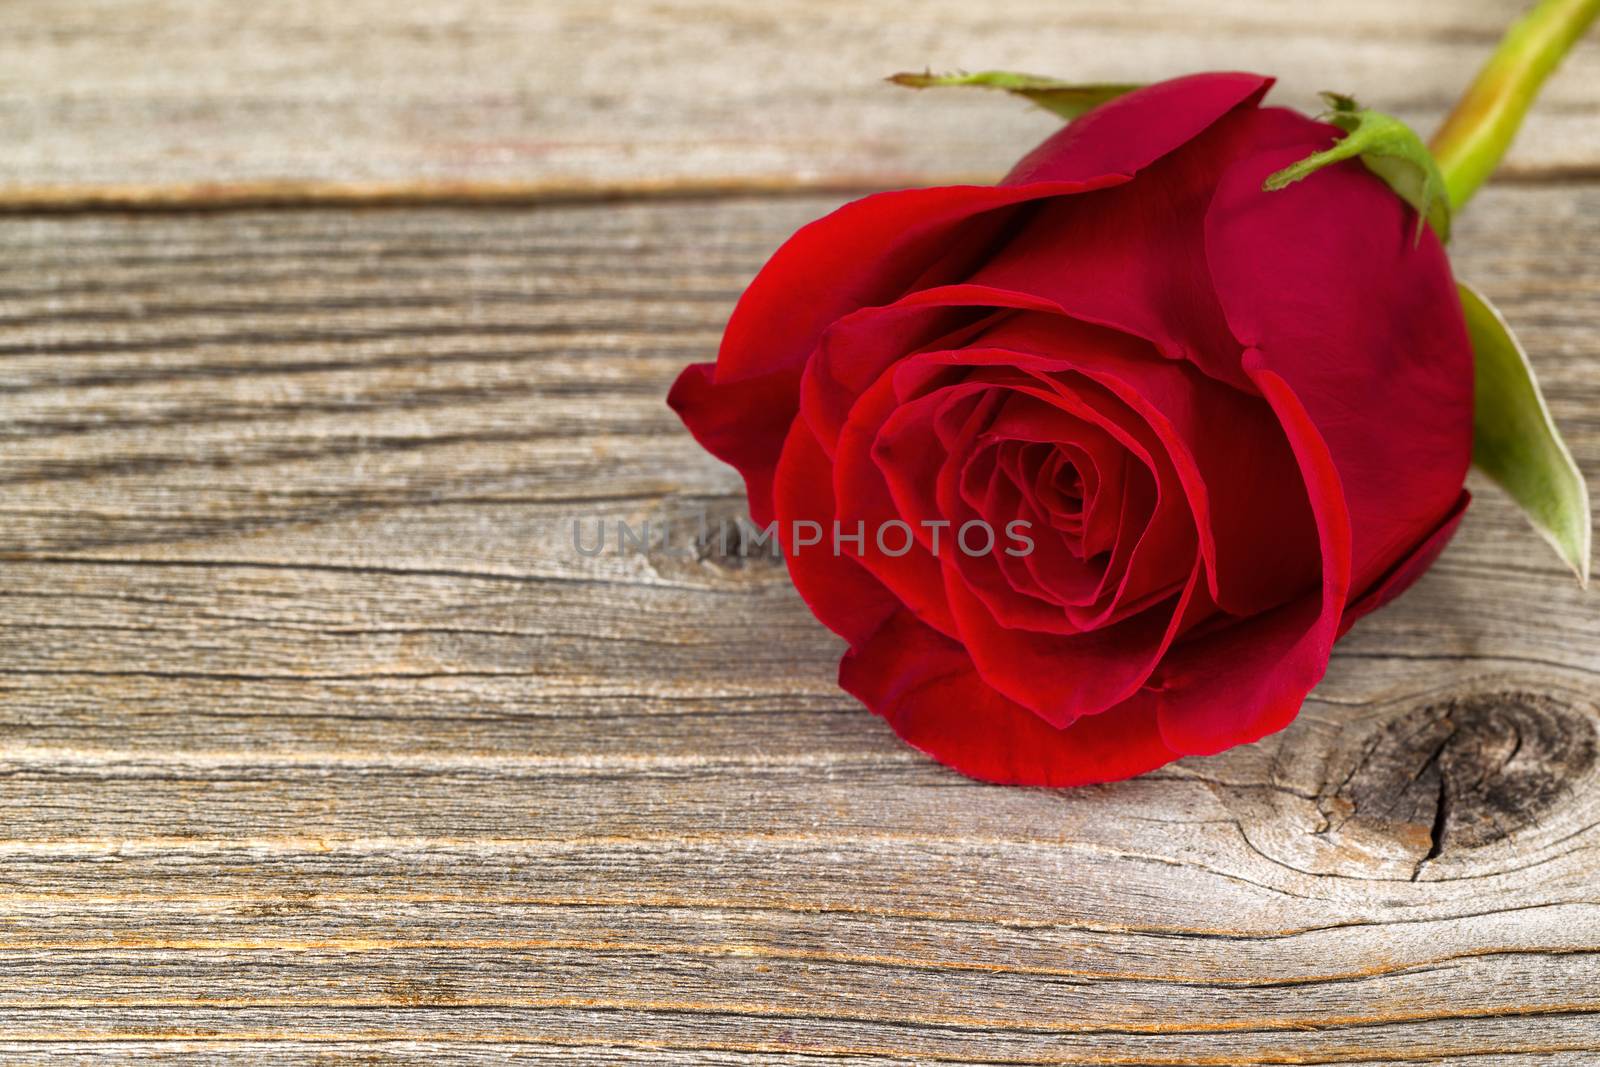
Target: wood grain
[319,742]
[103,101]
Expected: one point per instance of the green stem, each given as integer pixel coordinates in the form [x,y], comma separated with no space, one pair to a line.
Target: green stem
[1477,133]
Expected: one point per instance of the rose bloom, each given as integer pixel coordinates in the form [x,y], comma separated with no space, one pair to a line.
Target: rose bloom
[1235,421]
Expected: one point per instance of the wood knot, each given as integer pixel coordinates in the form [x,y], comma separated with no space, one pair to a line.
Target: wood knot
[1385,795]
[701,537]
[1463,773]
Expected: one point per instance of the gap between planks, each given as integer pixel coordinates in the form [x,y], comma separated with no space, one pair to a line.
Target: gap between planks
[203,197]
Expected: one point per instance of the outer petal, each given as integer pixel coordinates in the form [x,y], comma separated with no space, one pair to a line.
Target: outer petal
[848,600]
[871,250]
[719,417]
[923,684]
[1133,131]
[1249,679]
[914,576]
[1408,570]
[1364,327]
[1134,257]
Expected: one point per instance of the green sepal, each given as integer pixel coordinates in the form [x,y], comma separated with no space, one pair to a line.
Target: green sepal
[1061,98]
[1515,441]
[1390,149]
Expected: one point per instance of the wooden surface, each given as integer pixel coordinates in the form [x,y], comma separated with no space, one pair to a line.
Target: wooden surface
[319,743]
[485,98]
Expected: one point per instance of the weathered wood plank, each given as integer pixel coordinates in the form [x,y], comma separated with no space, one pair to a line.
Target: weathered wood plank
[204,99]
[319,740]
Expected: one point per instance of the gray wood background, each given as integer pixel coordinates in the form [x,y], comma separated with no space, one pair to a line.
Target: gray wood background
[319,326]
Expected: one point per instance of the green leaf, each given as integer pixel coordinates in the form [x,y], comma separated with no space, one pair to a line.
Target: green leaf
[1063,98]
[1390,149]
[1515,442]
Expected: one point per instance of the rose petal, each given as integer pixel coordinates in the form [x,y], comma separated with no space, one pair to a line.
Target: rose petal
[842,594]
[1234,463]
[872,249]
[914,576]
[1362,322]
[1134,130]
[719,418]
[1408,570]
[1063,677]
[1152,556]
[924,686]
[1244,681]
[1134,257]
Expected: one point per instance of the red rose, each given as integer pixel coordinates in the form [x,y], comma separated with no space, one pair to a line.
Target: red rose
[1231,421]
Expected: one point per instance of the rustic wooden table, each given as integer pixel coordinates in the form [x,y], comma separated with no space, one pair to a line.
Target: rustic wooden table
[319,743]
